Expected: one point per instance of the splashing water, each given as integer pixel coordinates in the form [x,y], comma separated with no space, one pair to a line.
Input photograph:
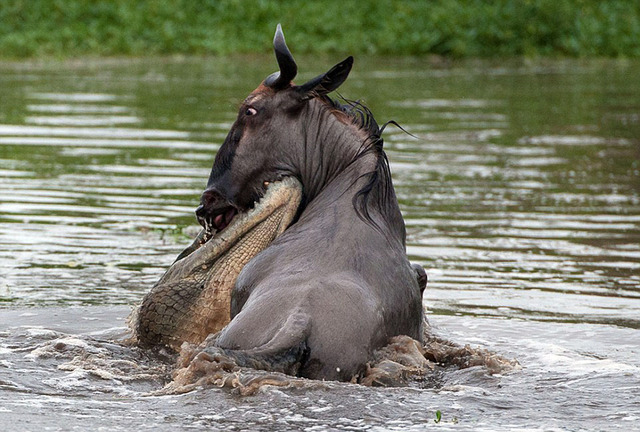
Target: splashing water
[521,198]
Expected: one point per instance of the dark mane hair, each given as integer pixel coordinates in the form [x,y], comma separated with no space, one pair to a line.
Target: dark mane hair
[378,185]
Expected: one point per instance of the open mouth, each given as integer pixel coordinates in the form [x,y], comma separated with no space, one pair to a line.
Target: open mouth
[218,222]
[280,200]
[274,194]
[222,218]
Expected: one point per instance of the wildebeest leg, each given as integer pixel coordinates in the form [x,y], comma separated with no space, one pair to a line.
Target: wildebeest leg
[421,276]
[285,353]
[329,328]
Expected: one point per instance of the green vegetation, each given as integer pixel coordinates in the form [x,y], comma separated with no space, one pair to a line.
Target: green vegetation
[459,28]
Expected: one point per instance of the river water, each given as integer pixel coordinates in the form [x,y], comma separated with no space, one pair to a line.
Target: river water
[521,195]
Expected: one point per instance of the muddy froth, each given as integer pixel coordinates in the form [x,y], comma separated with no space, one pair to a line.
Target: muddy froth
[403,362]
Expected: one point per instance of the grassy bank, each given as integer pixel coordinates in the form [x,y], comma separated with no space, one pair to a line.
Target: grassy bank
[474,28]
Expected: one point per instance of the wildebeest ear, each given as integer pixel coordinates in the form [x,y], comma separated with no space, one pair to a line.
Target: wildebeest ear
[327,82]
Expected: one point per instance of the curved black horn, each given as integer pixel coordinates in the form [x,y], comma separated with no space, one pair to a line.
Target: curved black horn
[288,67]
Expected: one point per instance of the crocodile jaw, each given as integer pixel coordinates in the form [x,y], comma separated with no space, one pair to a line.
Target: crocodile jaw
[193,298]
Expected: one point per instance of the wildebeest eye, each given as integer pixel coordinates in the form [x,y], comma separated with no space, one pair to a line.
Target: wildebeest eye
[250,111]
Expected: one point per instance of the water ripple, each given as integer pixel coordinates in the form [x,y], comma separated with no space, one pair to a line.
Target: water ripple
[510,217]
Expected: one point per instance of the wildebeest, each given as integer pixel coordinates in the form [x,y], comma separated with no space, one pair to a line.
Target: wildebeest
[336,284]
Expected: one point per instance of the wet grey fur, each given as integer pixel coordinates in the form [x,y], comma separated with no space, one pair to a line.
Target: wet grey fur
[335,285]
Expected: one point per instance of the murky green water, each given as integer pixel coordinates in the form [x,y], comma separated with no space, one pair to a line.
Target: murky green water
[521,196]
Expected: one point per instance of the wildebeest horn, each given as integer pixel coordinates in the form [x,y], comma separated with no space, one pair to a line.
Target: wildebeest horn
[288,67]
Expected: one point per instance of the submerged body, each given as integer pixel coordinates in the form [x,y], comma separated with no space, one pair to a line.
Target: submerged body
[332,282]
[336,284]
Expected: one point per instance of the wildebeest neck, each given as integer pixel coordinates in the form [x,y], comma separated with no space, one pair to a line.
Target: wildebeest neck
[344,152]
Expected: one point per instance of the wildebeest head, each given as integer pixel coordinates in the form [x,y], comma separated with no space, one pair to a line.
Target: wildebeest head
[268,140]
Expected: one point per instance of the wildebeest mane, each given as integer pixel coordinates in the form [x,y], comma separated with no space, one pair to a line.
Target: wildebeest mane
[378,186]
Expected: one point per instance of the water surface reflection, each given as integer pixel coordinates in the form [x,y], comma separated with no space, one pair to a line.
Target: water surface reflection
[521,197]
